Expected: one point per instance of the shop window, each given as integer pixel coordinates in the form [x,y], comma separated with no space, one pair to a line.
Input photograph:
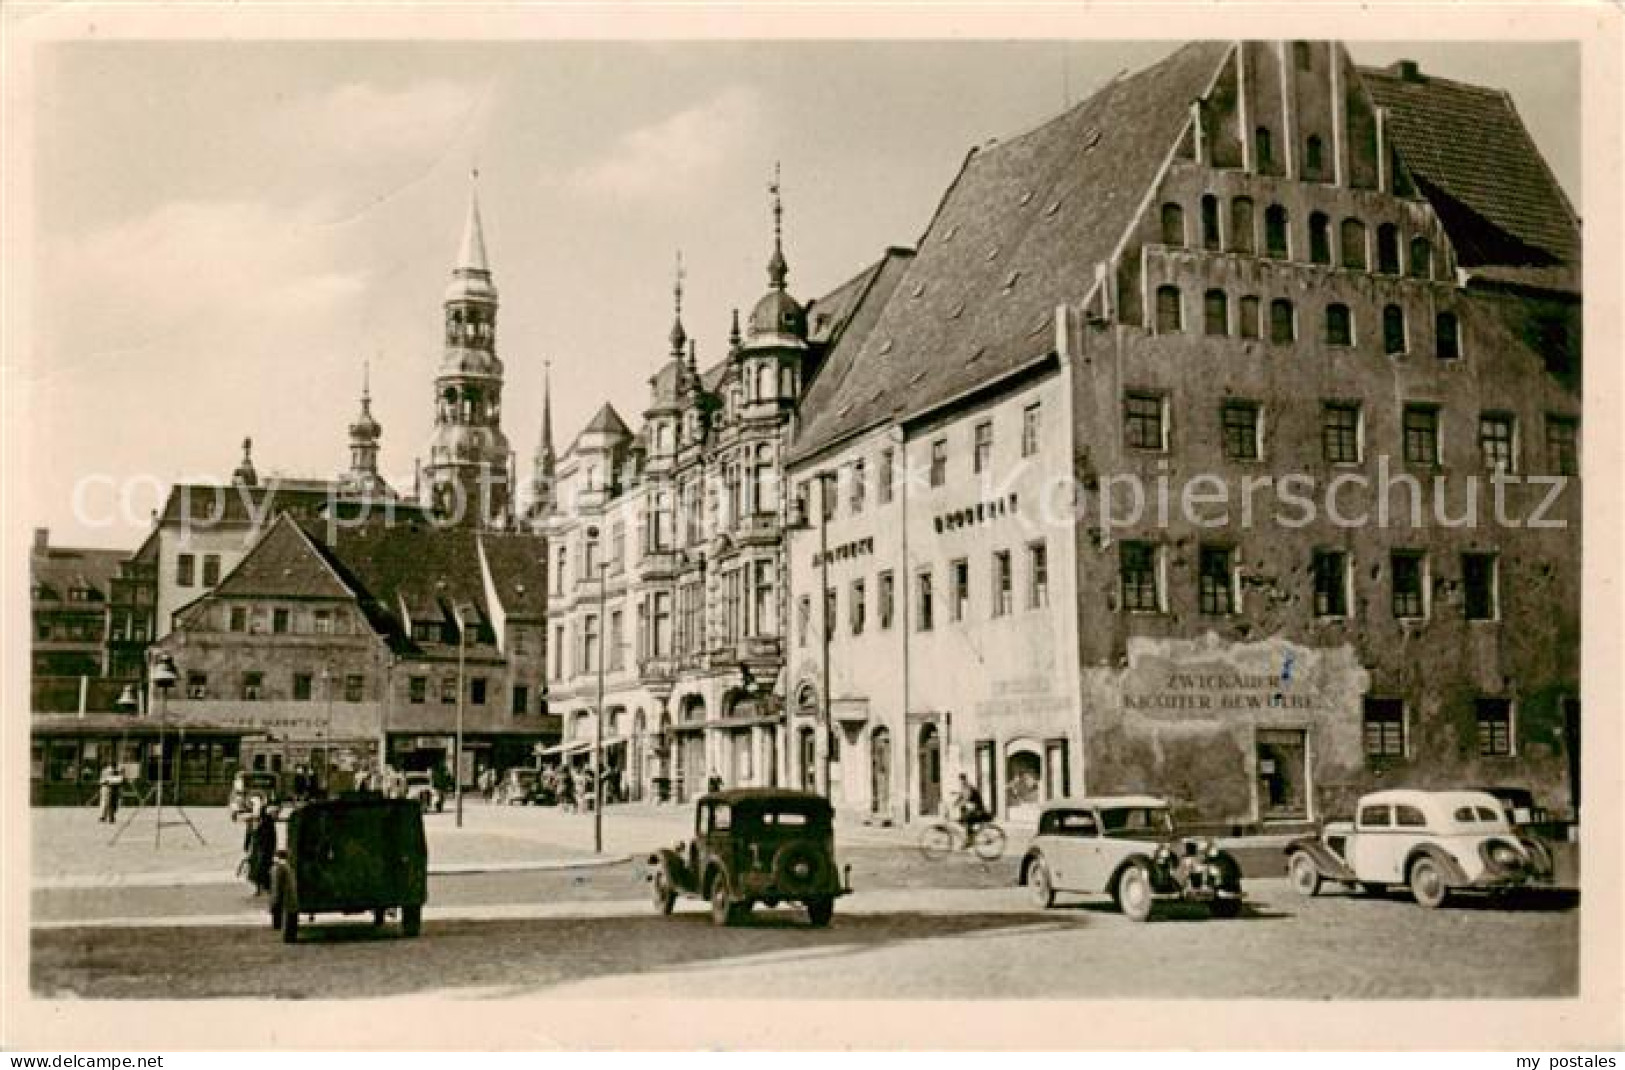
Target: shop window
[1283,322]
[1409,569]
[1330,571]
[1479,587]
[1170,314]
[1494,718]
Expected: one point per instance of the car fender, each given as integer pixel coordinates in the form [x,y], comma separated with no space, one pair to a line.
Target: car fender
[1325,859]
[1454,875]
[671,863]
[1138,858]
[1024,874]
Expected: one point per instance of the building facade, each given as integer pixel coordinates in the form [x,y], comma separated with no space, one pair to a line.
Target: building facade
[1193,387]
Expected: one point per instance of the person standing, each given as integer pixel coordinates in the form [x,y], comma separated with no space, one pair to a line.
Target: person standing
[112,782]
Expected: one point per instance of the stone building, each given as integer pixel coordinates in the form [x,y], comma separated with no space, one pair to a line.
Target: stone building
[72,625]
[1292,305]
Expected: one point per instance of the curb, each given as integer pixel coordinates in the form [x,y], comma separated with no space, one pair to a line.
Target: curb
[178,880]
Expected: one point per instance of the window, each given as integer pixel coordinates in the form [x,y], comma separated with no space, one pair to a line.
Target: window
[924,619]
[1563,445]
[1216,580]
[1409,817]
[615,645]
[1421,429]
[1302,57]
[883,477]
[1376,817]
[521,699]
[1497,441]
[417,689]
[1339,325]
[1421,258]
[1275,239]
[1241,430]
[1170,316]
[982,456]
[1137,562]
[589,643]
[1143,424]
[561,559]
[939,462]
[197,685]
[1410,579]
[1264,149]
[1340,432]
[301,686]
[1037,575]
[448,691]
[1446,336]
[1003,584]
[589,558]
[354,687]
[239,619]
[1330,569]
[1388,249]
[958,589]
[279,621]
[211,570]
[1173,225]
[1210,221]
[253,686]
[1029,429]
[1320,238]
[767,605]
[1313,161]
[858,488]
[1352,239]
[1283,322]
[1479,587]
[1241,224]
[323,621]
[803,619]
[857,606]
[1494,716]
[185,566]
[1215,313]
[1383,726]
[885,596]
[559,645]
[1393,330]
[1247,320]
[476,691]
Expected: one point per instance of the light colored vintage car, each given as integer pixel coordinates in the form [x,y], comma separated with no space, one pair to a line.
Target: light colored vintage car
[1434,842]
[1126,846]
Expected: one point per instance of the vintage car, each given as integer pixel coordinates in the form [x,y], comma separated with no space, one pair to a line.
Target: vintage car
[251,786]
[420,787]
[754,845]
[1434,842]
[351,855]
[1126,847]
[523,786]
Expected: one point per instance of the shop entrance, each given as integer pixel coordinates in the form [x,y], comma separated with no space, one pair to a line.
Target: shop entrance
[1283,774]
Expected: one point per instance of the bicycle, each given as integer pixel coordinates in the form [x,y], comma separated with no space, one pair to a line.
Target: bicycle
[943,838]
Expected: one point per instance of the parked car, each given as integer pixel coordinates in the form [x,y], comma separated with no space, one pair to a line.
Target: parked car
[524,787]
[351,855]
[420,788]
[754,845]
[250,785]
[1435,842]
[1126,847]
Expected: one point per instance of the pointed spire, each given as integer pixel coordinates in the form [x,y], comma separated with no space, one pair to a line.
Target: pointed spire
[547,409]
[471,254]
[245,475]
[678,335]
[693,365]
[365,427]
[734,337]
[777,269]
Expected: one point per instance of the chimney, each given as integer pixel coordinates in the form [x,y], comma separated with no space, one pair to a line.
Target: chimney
[42,539]
[1408,70]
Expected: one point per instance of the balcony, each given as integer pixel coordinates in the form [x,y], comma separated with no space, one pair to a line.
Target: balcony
[759,529]
[658,565]
[657,670]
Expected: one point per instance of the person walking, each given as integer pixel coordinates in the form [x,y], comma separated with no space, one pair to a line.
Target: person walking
[112,782]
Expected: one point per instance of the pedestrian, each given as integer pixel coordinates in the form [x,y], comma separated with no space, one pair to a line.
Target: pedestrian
[567,792]
[112,782]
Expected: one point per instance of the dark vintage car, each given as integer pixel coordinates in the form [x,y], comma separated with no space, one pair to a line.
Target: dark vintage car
[1126,846]
[754,845]
[351,855]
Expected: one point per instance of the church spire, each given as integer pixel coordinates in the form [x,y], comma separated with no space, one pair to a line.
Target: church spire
[471,254]
[543,464]
[777,268]
[678,335]
[546,448]
[362,478]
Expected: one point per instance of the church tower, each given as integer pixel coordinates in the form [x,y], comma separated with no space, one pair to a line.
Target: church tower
[544,465]
[362,479]
[468,469]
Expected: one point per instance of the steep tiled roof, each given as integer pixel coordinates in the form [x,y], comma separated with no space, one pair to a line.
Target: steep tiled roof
[207,506]
[1473,159]
[284,563]
[1018,233]
[827,316]
[518,571]
[60,569]
[606,421]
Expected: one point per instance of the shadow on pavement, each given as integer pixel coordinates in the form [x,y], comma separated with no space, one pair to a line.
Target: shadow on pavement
[499,958]
[1173,911]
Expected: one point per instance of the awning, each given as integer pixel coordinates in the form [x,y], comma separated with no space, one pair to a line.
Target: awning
[564,748]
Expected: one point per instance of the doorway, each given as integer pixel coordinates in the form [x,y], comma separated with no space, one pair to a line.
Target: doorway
[1283,774]
[930,770]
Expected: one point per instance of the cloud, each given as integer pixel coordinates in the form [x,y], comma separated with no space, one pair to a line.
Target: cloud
[682,150]
[358,119]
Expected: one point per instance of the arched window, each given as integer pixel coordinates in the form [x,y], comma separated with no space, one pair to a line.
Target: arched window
[1320,238]
[1353,241]
[1393,329]
[1248,319]
[1421,258]
[1283,324]
[1241,224]
[1312,153]
[1388,249]
[1170,316]
[1339,325]
[1275,224]
[1215,313]
[1173,224]
[766,382]
[1447,336]
[1210,221]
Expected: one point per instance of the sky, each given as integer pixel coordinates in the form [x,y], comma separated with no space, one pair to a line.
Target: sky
[225,231]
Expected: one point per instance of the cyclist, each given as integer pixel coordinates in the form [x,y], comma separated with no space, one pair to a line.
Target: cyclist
[972,811]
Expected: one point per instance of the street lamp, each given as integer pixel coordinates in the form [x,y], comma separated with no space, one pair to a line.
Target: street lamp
[462,693]
[598,722]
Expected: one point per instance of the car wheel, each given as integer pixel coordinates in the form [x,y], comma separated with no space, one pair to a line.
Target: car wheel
[1305,874]
[721,910]
[1225,906]
[1427,883]
[1134,895]
[819,912]
[664,897]
[1040,884]
[412,920]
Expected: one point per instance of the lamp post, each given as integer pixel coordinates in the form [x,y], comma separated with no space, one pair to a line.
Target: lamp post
[598,721]
[462,693]
[163,678]
[127,704]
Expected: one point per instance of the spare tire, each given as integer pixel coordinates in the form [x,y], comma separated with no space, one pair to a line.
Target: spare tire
[798,868]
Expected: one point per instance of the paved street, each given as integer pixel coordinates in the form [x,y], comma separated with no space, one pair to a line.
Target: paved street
[914,929]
